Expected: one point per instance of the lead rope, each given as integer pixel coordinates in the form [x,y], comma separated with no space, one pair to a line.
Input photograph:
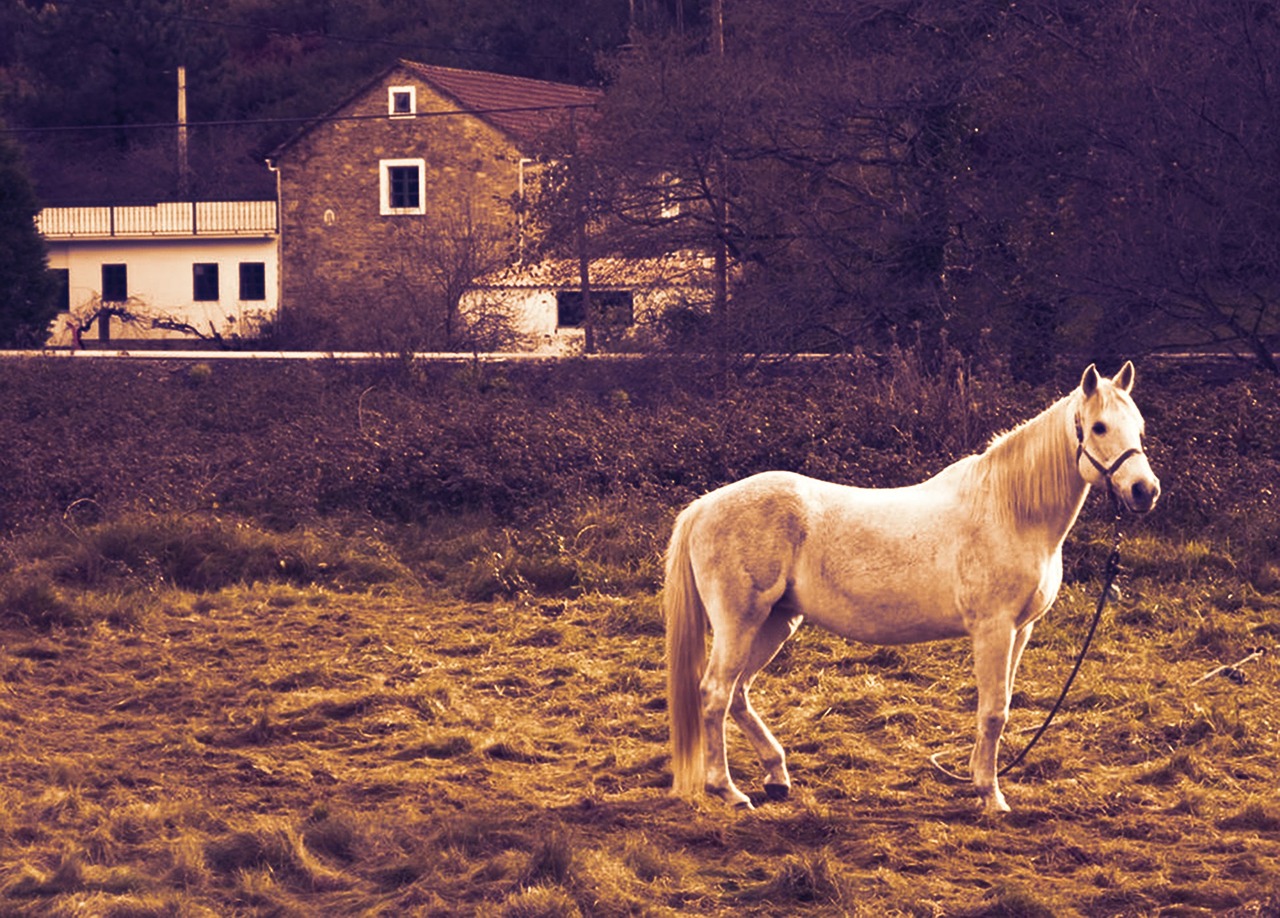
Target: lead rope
[1110,572]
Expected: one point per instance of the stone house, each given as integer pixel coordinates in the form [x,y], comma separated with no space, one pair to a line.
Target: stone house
[397,200]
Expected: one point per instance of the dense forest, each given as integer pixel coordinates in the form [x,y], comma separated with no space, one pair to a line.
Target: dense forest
[96,80]
[1045,177]
[112,62]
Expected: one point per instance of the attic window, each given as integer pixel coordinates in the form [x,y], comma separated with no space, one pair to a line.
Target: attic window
[400,187]
[402,101]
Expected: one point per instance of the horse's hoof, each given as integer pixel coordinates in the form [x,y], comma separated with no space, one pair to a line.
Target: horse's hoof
[777,792]
[735,798]
[994,805]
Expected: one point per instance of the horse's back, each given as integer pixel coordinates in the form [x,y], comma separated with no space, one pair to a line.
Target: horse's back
[783,495]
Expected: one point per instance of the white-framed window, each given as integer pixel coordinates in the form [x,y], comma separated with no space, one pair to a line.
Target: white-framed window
[400,187]
[402,101]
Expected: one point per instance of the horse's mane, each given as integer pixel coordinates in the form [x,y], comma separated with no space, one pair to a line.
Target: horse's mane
[1030,469]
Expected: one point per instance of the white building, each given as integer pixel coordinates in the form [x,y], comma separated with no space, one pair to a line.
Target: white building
[183,270]
[542,301]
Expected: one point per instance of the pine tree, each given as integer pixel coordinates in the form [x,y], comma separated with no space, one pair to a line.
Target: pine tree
[27,292]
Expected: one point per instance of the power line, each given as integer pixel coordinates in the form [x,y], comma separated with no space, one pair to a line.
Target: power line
[324,36]
[319,119]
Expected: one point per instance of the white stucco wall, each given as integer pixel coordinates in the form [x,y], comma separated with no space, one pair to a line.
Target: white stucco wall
[160,283]
[526,294]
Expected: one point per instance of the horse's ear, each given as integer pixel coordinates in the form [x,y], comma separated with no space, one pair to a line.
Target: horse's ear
[1124,379]
[1089,381]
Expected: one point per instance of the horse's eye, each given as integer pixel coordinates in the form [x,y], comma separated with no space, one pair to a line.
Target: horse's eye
[1100,429]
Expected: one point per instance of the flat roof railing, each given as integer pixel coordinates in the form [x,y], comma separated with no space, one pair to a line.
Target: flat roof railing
[169,219]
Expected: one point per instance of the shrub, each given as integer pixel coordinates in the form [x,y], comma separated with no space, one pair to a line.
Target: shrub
[204,553]
[30,600]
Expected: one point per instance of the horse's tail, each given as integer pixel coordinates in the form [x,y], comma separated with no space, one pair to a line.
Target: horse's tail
[686,643]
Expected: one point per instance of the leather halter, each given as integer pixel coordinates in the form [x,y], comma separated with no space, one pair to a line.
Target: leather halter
[1107,471]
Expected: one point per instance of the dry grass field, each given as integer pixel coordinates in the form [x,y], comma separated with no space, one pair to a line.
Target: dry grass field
[275,750]
[204,713]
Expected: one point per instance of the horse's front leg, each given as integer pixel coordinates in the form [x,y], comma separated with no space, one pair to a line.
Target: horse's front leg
[993,653]
[1020,639]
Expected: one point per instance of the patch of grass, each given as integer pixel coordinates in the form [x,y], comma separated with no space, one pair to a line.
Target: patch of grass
[1254,816]
[1182,764]
[617,616]
[1159,556]
[616,542]
[536,564]
[67,876]
[31,600]
[552,861]
[805,881]
[274,847]
[392,772]
[1013,900]
[540,902]
[341,836]
[208,553]
[648,860]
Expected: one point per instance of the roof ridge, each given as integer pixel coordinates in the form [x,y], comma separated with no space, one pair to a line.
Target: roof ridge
[523,108]
[493,74]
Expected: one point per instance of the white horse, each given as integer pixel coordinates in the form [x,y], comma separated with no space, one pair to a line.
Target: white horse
[976,550]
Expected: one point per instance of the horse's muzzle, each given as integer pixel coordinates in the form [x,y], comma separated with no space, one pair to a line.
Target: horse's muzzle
[1144,494]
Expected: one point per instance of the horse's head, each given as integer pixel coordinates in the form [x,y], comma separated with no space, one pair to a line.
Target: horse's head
[1109,437]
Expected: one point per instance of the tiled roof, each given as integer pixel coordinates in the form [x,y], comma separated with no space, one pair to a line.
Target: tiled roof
[523,108]
[677,269]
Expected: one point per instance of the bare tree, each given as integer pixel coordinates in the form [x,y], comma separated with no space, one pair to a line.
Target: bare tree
[433,265]
[1052,177]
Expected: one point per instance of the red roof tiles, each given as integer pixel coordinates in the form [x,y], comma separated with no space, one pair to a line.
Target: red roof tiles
[523,108]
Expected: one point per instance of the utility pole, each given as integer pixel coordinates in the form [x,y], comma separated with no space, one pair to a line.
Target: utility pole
[720,206]
[584,258]
[184,166]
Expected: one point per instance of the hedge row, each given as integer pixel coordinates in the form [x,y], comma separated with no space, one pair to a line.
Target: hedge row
[285,443]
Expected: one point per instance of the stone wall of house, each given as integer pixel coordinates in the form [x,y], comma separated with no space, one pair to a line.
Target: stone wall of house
[346,267]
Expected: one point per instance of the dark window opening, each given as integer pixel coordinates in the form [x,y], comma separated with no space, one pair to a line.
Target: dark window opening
[401,103]
[253,280]
[115,283]
[612,307]
[403,190]
[205,286]
[62,284]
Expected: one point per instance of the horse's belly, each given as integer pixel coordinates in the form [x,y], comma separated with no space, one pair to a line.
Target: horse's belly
[886,616]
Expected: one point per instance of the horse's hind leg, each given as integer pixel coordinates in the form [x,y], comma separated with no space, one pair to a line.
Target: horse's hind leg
[730,649]
[779,626]
[737,651]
